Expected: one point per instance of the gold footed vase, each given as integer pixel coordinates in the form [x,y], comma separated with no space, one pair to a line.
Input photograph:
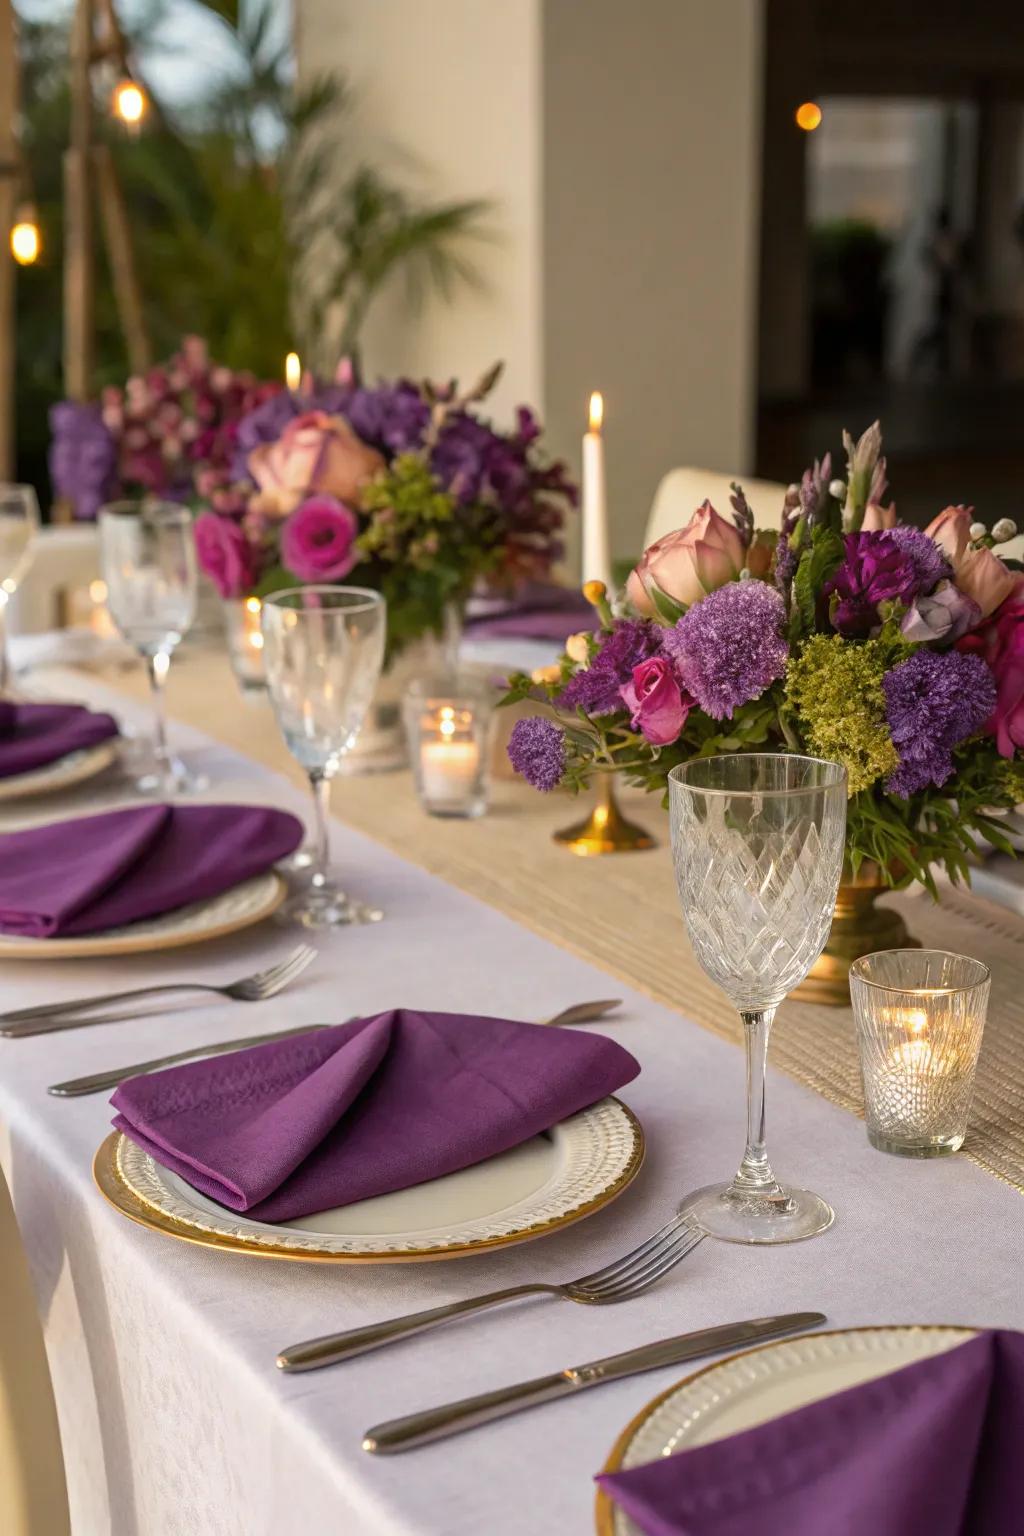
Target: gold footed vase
[858,928]
[605,830]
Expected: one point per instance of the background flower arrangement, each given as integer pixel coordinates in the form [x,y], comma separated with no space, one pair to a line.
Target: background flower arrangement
[897,652]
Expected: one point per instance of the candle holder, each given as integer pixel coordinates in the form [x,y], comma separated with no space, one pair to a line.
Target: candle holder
[245,643]
[605,830]
[920,1014]
[448,732]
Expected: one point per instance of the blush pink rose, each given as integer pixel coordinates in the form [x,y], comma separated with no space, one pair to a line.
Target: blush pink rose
[878,519]
[318,541]
[1000,643]
[315,454]
[656,702]
[951,531]
[690,563]
[984,578]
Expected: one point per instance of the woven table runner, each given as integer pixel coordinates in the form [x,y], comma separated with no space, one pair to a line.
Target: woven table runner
[621,912]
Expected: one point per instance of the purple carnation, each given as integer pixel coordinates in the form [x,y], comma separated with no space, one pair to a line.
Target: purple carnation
[597,689]
[875,570]
[728,648]
[536,750]
[83,457]
[934,701]
[929,563]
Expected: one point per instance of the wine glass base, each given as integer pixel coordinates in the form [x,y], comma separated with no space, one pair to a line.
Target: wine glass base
[719,1212]
[326,908]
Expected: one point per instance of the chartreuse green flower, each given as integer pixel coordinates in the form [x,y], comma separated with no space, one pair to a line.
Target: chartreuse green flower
[835,689]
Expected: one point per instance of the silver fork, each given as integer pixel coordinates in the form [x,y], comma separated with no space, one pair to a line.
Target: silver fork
[47,1017]
[629,1276]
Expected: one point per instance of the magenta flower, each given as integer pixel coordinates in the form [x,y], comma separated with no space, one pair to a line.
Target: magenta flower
[875,570]
[656,701]
[226,555]
[318,540]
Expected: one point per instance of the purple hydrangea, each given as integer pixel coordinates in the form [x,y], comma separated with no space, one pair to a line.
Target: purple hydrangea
[597,689]
[83,457]
[876,570]
[728,648]
[929,563]
[536,750]
[933,701]
[392,417]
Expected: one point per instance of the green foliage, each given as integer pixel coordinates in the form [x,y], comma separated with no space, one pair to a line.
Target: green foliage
[821,555]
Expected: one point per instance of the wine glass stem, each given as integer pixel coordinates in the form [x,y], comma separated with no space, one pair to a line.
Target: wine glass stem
[320,784]
[754,1175]
[157,666]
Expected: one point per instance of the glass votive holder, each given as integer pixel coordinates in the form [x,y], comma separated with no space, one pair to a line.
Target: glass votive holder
[920,1014]
[448,731]
[245,642]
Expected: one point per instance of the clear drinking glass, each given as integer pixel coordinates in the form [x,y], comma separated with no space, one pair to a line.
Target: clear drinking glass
[19,522]
[758,842]
[149,565]
[324,649]
[920,1015]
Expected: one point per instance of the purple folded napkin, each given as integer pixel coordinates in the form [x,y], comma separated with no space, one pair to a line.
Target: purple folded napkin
[32,735]
[537,611]
[364,1108]
[99,872]
[934,1449]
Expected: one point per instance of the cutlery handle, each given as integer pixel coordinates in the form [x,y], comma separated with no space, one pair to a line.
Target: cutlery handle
[51,1016]
[97,1081]
[431,1424]
[334,1347]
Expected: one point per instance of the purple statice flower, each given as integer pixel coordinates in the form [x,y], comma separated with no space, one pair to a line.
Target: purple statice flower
[728,648]
[929,563]
[536,750]
[83,457]
[933,701]
[875,570]
[597,689]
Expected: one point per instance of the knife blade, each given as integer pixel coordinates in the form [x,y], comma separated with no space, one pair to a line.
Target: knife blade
[431,1424]
[97,1081]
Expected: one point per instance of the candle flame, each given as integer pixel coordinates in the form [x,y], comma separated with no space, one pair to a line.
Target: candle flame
[253,604]
[292,371]
[596,411]
[97,591]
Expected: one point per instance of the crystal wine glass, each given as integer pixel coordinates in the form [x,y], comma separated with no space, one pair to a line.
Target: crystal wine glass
[758,842]
[324,649]
[149,565]
[19,522]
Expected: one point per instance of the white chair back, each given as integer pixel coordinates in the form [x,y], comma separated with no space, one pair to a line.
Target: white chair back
[682,491]
[33,1493]
[63,557]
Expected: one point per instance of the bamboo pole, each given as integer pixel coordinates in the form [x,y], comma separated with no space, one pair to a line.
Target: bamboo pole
[8,205]
[79,258]
[121,257]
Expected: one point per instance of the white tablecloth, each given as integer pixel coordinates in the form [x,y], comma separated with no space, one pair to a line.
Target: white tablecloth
[174,1419]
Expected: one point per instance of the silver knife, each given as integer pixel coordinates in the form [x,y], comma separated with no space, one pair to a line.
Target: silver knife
[100,1080]
[417,1429]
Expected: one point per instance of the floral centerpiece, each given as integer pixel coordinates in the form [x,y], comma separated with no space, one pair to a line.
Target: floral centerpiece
[843,634]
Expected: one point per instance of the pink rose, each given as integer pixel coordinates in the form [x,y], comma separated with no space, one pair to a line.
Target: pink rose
[315,453]
[1000,643]
[951,531]
[984,578]
[318,540]
[225,554]
[656,702]
[690,563]
[878,519]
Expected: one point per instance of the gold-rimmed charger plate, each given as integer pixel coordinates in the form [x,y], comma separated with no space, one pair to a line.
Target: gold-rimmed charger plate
[64,773]
[749,1388]
[543,1186]
[240,907]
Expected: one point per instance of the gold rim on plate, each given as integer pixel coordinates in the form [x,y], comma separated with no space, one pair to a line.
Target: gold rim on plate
[604,1507]
[113,1186]
[128,943]
[45,780]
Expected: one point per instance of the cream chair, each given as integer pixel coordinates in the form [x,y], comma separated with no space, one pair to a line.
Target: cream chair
[63,558]
[682,491]
[33,1494]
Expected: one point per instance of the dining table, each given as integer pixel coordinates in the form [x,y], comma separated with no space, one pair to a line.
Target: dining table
[174,1419]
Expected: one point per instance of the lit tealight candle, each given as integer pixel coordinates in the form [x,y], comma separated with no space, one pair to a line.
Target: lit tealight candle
[449,767]
[915,1053]
[597,561]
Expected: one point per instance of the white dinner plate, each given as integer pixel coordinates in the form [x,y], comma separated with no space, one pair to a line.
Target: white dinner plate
[62,774]
[762,1384]
[240,907]
[545,1184]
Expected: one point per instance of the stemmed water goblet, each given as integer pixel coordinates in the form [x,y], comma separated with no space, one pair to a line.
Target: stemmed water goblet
[758,841]
[324,649]
[148,556]
[19,523]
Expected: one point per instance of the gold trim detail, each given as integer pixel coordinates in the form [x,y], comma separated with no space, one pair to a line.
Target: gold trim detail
[45,780]
[113,1187]
[604,1509]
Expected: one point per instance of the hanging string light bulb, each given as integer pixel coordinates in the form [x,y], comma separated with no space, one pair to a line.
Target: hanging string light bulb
[129,103]
[26,238]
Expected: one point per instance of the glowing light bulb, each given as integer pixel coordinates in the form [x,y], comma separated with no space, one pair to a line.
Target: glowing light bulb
[26,240]
[129,103]
[808,116]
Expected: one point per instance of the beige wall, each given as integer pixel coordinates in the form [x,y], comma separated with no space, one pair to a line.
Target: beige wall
[620,146]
